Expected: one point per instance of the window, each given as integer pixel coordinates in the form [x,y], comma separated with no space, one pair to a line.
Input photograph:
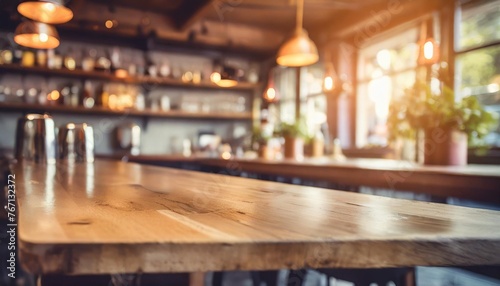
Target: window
[385,69]
[313,101]
[478,55]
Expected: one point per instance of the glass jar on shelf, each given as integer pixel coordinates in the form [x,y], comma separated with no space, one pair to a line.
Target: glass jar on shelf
[41,58]
[28,58]
[17,55]
[6,56]
[69,60]
[165,69]
[88,61]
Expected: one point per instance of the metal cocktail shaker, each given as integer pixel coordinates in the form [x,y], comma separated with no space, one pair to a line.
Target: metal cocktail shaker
[36,139]
[76,142]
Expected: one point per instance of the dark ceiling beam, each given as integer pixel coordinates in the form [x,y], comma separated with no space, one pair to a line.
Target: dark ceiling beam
[185,22]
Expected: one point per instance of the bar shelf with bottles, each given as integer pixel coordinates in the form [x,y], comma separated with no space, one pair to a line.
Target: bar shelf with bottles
[102,75]
[108,86]
[36,108]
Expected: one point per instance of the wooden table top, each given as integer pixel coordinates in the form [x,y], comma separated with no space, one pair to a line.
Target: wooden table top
[116,217]
[475,182]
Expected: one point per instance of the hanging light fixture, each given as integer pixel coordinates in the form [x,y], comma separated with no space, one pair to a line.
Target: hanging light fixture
[36,35]
[271,94]
[330,79]
[428,47]
[299,50]
[45,11]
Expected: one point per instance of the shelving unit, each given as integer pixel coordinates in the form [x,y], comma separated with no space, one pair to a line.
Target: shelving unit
[27,108]
[102,75]
[107,76]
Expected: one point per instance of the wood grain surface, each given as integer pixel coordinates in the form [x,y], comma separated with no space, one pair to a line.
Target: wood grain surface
[473,182]
[116,217]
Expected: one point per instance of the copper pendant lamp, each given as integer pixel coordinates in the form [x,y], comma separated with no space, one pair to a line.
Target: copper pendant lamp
[428,47]
[36,35]
[45,11]
[299,50]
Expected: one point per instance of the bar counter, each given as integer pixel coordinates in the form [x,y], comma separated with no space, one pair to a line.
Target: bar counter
[474,182]
[117,217]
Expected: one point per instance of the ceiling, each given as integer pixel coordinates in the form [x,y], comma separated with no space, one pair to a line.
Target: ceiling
[257,22]
[275,14]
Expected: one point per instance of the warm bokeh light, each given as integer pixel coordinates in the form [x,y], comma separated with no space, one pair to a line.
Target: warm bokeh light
[43,37]
[270,94]
[226,155]
[428,50]
[53,95]
[328,83]
[121,73]
[109,24]
[384,59]
[215,77]
[227,83]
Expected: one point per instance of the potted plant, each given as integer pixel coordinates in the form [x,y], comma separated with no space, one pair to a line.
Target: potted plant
[449,126]
[260,140]
[294,136]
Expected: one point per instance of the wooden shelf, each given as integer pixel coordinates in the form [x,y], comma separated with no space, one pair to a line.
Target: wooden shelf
[101,75]
[26,108]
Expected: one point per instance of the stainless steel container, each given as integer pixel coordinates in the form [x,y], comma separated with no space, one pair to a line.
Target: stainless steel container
[36,139]
[128,137]
[76,142]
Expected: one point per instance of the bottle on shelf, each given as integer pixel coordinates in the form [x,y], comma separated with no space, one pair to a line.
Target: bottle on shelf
[104,96]
[165,69]
[88,62]
[66,95]
[17,55]
[88,95]
[30,96]
[114,57]
[140,102]
[75,96]
[103,63]
[42,97]
[28,58]
[6,55]
[69,60]
[41,58]
[152,69]
[54,59]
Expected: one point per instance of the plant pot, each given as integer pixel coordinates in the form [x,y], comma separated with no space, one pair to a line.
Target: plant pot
[294,148]
[444,146]
[265,152]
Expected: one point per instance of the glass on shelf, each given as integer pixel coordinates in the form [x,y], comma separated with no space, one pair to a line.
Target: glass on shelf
[88,62]
[140,102]
[165,69]
[6,56]
[165,103]
[41,58]
[17,56]
[28,59]
[190,104]
[69,60]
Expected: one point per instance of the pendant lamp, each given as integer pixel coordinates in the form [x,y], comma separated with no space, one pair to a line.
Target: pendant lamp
[271,94]
[36,35]
[299,50]
[45,11]
[330,79]
[428,47]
